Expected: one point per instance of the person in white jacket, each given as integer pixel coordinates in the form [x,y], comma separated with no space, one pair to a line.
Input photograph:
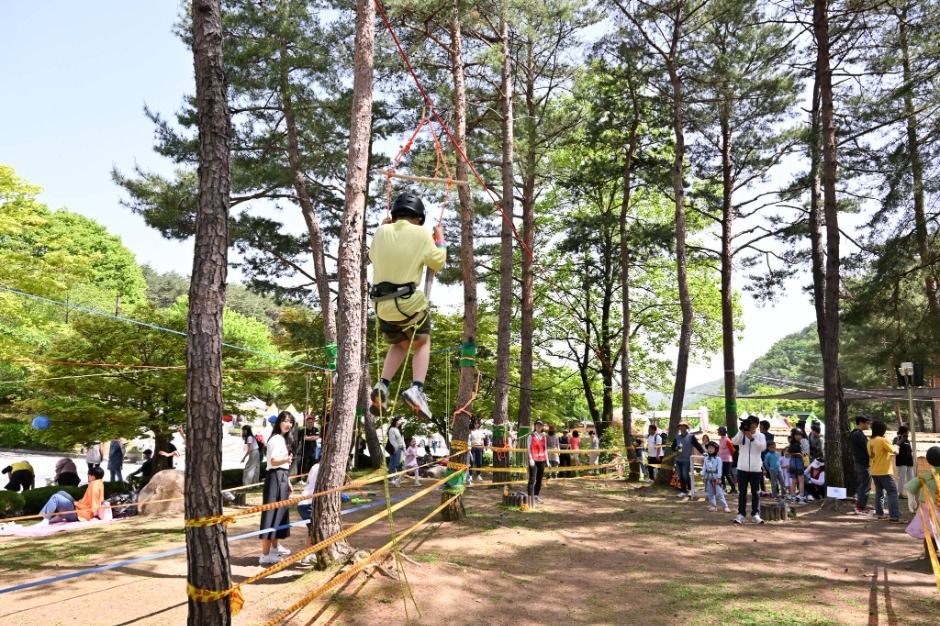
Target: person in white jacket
[750,444]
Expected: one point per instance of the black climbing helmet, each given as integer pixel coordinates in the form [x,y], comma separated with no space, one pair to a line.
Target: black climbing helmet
[408,205]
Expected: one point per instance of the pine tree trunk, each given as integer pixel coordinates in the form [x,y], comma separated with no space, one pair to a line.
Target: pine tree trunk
[461,423]
[336,440]
[207,547]
[160,441]
[831,380]
[727,267]
[628,439]
[528,237]
[685,301]
[917,176]
[504,328]
[467,260]
[314,232]
[373,443]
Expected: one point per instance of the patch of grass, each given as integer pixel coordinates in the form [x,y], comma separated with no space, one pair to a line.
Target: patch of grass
[92,545]
[724,603]
[426,557]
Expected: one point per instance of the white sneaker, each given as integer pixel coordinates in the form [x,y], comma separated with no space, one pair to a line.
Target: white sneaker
[727,510]
[417,401]
[756,519]
[682,494]
[739,519]
[308,561]
[379,398]
[283,551]
[271,558]
[538,499]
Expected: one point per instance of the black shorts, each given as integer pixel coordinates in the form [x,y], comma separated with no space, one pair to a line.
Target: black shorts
[397,332]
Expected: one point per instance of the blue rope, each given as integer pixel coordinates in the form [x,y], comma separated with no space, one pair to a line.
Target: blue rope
[161,555]
[129,320]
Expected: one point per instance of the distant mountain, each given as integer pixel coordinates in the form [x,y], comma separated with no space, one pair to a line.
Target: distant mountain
[791,360]
[694,395]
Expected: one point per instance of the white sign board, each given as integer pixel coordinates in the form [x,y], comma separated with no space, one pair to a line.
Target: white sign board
[835,492]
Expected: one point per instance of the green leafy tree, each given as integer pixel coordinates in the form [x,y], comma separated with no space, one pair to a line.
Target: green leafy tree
[125,402]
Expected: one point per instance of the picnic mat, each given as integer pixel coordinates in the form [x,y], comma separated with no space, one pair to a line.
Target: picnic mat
[13,529]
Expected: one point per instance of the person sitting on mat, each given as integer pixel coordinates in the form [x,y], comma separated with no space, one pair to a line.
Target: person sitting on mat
[66,474]
[401,249]
[62,506]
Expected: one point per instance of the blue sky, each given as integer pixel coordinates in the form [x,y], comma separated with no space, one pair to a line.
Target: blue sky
[76,76]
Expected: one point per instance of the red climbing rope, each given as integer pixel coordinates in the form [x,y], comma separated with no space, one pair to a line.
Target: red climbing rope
[457,146]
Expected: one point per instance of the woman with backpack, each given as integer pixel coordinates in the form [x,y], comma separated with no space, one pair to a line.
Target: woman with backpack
[277,488]
[93,455]
[252,470]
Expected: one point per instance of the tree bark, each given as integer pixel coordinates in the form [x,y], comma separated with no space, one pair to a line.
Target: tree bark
[504,328]
[917,175]
[628,439]
[207,547]
[160,441]
[727,266]
[467,260]
[685,301]
[830,349]
[460,427]
[336,440]
[314,232]
[527,325]
[373,443]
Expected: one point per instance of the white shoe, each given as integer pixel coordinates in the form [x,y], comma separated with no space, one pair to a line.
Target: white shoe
[682,494]
[282,550]
[756,519]
[417,401]
[727,510]
[739,519]
[417,483]
[271,558]
[308,561]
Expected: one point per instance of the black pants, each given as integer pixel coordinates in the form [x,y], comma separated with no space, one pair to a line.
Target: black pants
[564,460]
[727,475]
[535,478]
[752,480]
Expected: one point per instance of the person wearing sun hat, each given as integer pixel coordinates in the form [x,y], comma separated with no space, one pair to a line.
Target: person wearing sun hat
[683,445]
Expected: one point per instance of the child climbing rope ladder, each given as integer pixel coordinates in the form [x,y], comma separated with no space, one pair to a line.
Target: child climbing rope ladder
[400,251]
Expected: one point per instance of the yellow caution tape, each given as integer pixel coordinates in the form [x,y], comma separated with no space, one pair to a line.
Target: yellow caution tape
[237,601]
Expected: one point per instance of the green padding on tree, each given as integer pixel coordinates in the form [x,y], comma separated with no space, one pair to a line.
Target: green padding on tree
[331,351]
[524,431]
[732,406]
[499,431]
[468,353]
[455,482]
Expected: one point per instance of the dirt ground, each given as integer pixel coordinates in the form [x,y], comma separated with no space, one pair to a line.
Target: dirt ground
[595,553]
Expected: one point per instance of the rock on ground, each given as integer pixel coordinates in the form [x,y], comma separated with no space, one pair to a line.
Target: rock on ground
[164,485]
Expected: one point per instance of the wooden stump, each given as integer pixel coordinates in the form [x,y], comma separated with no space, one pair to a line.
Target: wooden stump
[775,511]
[455,510]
